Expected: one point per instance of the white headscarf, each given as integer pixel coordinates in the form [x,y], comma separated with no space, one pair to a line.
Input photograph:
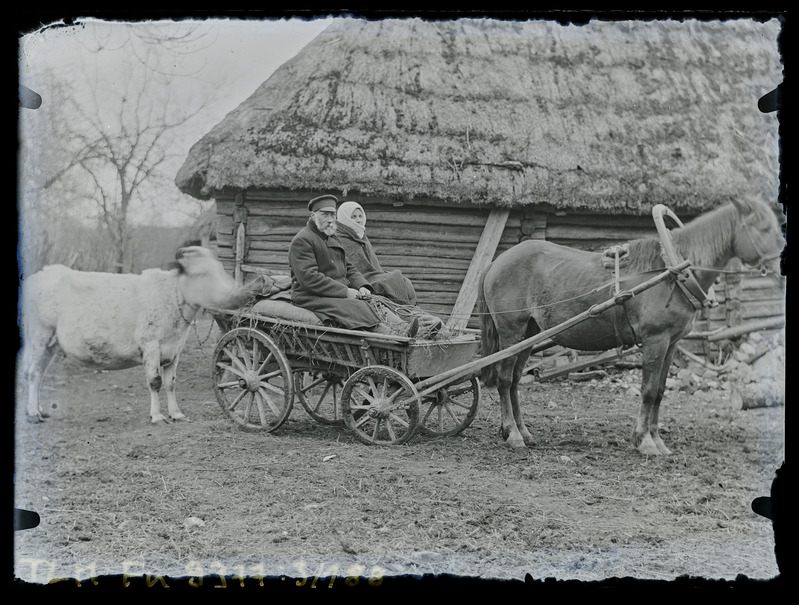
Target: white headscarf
[344,217]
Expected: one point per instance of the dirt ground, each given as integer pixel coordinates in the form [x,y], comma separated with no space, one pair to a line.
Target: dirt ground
[176,503]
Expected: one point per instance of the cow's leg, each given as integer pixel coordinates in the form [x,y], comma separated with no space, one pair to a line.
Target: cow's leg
[35,374]
[38,356]
[169,373]
[653,371]
[518,368]
[151,359]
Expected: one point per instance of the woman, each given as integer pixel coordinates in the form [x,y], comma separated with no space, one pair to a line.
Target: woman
[392,285]
[352,234]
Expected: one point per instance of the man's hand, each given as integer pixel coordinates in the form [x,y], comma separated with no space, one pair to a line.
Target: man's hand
[365,292]
[352,293]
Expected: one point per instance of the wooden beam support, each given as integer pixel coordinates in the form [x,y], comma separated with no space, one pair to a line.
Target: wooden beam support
[483,255]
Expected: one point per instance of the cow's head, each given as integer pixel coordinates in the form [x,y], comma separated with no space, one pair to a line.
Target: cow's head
[204,281]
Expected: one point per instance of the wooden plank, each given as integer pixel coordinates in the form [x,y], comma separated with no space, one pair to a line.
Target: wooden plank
[753,326]
[582,364]
[483,255]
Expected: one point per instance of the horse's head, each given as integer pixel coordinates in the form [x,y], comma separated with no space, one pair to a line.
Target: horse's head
[758,240]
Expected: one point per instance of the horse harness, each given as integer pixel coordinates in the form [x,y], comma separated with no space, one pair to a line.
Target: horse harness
[684,279]
[615,257]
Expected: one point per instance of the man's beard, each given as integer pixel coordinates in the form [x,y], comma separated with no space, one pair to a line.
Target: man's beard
[329,230]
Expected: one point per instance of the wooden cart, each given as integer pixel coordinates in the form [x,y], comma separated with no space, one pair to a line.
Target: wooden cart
[360,379]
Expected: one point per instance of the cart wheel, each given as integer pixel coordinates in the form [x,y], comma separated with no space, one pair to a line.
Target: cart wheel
[252,380]
[320,395]
[380,405]
[451,409]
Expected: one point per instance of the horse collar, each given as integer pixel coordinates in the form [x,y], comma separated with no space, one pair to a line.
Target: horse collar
[685,279]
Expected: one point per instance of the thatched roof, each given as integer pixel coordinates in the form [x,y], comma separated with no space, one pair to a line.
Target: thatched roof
[609,115]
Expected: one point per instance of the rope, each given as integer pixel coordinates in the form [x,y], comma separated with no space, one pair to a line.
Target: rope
[193,322]
[396,315]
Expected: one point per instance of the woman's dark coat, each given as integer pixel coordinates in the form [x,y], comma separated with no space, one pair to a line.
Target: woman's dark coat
[391,284]
[320,276]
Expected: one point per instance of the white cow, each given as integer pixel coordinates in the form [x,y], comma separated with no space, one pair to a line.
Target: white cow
[115,321]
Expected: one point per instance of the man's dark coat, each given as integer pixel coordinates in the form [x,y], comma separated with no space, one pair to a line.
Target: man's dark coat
[320,277]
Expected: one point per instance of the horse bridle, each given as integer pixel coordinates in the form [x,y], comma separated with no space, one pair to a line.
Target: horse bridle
[763,258]
[685,279]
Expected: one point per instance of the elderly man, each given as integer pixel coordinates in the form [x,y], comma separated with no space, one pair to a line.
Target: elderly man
[323,280]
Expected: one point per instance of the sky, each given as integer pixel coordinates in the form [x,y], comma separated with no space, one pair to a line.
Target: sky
[237,56]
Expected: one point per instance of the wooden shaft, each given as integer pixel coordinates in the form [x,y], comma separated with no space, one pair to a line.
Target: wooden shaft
[433,383]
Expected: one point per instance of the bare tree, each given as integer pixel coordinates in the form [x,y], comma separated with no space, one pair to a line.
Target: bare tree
[113,124]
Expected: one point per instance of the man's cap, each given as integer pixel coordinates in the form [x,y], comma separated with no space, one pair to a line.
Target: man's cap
[323,202]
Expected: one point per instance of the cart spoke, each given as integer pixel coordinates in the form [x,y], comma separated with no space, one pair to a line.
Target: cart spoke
[231,369]
[248,407]
[399,419]
[389,427]
[314,384]
[235,360]
[439,420]
[376,429]
[372,386]
[236,401]
[244,353]
[268,375]
[261,412]
[394,395]
[450,403]
[226,385]
[321,397]
[363,419]
[266,361]
[255,350]
[447,407]
[272,406]
[277,390]
[366,396]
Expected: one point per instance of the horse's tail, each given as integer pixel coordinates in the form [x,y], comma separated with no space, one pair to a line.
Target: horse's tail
[489,342]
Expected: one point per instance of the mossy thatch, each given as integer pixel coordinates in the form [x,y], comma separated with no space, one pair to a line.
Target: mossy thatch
[610,116]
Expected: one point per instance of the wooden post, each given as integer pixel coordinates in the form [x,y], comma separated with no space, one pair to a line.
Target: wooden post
[483,255]
[240,213]
[732,294]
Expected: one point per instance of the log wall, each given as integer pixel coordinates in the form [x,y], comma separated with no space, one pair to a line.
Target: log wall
[432,243]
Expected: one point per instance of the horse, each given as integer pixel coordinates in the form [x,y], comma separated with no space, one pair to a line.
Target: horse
[537,285]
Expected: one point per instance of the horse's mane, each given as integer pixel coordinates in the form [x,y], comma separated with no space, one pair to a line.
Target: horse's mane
[704,240]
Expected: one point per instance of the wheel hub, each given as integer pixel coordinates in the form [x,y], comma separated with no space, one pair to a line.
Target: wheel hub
[250,382]
[381,408]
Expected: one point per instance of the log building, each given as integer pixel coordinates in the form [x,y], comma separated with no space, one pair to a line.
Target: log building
[461,138]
